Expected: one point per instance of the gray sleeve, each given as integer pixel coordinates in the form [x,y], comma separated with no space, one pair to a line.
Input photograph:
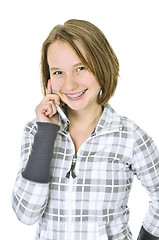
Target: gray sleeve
[144,235]
[38,166]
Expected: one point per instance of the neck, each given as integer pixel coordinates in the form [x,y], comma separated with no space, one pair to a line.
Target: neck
[83,119]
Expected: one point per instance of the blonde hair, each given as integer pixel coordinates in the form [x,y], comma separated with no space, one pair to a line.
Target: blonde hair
[101,60]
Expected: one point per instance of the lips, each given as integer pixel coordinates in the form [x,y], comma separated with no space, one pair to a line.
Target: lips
[76,95]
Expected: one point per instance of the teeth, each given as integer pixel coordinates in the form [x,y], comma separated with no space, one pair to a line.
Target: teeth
[76,95]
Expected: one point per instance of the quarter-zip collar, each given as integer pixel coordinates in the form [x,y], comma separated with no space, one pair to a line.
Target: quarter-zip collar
[109,121]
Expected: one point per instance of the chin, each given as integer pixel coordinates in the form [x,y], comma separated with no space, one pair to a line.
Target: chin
[77,107]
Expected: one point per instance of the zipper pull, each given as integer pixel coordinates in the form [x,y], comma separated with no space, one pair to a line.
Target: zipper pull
[72,168]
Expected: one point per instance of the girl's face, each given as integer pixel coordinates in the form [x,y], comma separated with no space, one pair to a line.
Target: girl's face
[74,84]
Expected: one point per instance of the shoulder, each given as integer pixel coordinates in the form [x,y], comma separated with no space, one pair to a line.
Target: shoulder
[138,134]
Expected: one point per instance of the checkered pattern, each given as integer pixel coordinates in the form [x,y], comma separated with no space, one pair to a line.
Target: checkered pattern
[94,204]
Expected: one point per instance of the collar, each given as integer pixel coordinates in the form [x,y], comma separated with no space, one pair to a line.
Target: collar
[109,121]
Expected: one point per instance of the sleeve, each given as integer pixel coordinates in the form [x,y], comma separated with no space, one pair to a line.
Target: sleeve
[38,165]
[29,197]
[146,167]
[144,235]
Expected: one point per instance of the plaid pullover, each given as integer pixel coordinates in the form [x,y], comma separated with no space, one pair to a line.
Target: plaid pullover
[84,196]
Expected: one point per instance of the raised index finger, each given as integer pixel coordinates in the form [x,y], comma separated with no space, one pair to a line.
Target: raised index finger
[49,87]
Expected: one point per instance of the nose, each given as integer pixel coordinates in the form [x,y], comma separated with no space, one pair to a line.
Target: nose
[70,83]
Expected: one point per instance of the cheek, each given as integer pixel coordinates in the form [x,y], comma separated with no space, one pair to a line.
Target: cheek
[56,85]
[94,83]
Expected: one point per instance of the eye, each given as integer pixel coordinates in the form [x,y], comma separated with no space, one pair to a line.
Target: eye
[57,73]
[80,69]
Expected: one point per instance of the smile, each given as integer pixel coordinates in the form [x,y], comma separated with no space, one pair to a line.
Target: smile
[76,95]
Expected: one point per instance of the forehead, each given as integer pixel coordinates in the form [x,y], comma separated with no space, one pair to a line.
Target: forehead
[60,51]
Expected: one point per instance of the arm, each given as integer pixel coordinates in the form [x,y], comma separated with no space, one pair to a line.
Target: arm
[144,235]
[30,193]
[38,166]
[146,167]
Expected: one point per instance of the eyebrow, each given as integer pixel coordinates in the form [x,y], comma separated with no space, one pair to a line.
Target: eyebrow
[56,68]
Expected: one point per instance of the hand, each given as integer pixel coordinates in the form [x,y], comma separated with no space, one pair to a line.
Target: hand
[46,110]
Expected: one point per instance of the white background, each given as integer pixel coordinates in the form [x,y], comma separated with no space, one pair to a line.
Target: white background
[131,27]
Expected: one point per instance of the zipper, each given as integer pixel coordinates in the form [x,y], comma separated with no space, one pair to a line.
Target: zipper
[94,134]
[71,175]
[69,207]
[72,169]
